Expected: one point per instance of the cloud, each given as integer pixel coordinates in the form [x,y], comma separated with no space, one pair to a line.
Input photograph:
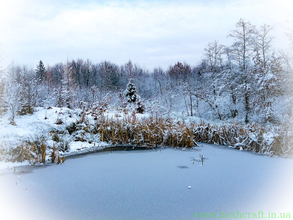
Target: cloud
[146,32]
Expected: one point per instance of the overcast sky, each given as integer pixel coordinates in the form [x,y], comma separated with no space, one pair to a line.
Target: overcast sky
[150,33]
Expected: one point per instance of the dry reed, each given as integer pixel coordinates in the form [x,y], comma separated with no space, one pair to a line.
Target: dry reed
[151,132]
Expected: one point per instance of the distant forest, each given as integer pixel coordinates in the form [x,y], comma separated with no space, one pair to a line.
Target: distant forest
[248,81]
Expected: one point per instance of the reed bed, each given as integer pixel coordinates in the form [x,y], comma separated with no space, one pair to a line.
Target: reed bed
[152,132]
[34,152]
[147,132]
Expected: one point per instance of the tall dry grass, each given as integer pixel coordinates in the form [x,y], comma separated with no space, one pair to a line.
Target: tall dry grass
[151,132]
[148,132]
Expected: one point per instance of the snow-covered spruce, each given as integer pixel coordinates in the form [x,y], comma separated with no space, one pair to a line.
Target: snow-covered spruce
[133,98]
[130,92]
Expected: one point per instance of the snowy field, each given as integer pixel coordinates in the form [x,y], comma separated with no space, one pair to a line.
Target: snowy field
[150,184]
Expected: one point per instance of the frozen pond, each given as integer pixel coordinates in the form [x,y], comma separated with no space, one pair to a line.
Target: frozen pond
[149,185]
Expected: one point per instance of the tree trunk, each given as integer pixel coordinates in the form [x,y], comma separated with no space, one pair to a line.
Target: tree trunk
[246,97]
[191,113]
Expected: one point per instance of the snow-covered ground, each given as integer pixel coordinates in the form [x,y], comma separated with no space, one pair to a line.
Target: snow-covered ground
[45,124]
[42,125]
[150,184]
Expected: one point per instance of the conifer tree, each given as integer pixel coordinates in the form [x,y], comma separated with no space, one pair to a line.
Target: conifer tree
[40,71]
[133,98]
[130,93]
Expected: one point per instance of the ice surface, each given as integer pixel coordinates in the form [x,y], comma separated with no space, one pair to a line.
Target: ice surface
[148,185]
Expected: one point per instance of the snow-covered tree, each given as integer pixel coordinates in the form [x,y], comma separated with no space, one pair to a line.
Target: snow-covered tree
[242,50]
[213,55]
[267,74]
[110,75]
[232,80]
[129,69]
[66,91]
[2,89]
[130,93]
[179,72]
[27,97]
[289,55]
[24,79]
[12,98]
[287,64]
[40,72]
[2,98]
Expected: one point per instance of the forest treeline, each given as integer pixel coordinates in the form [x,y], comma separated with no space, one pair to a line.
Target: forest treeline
[247,81]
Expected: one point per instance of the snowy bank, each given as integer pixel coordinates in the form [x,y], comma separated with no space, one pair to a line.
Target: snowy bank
[55,133]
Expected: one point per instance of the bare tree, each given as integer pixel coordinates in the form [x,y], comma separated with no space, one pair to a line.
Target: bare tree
[213,54]
[242,49]
[179,72]
[267,73]
[2,85]
[287,58]
[231,79]
[263,42]
[129,69]
[110,75]
[288,54]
